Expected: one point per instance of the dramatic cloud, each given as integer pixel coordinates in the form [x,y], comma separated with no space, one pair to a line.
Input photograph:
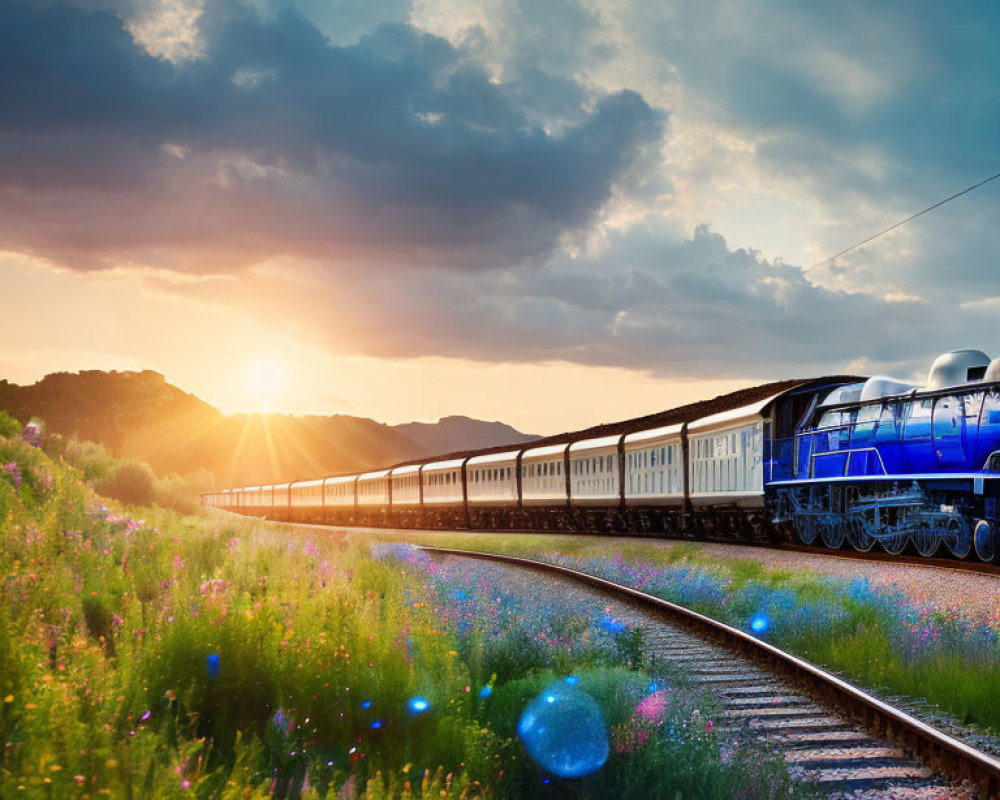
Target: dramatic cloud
[643,301]
[273,141]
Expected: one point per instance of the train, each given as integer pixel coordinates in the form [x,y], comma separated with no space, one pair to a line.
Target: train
[837,461]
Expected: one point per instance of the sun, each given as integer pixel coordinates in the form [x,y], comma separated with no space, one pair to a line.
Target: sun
[265,380]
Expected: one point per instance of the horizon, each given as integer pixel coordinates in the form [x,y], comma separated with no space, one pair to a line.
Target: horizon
[293,415]
[546,214]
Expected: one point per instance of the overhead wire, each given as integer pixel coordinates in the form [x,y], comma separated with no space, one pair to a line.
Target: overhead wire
[901,223]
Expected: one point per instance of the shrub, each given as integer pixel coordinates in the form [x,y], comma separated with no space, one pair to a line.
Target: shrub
[133,483]
[181,492]
[90,458]
[9,427]
[54,445]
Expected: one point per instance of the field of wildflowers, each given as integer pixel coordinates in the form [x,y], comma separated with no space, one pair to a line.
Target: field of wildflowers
[875,636]
[144,654]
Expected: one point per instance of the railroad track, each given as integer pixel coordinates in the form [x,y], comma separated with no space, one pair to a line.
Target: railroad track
[841,739]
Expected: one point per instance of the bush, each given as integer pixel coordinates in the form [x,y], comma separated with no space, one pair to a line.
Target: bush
[181,492]
[9,427]
[133,483]
[89,458]
[54,445]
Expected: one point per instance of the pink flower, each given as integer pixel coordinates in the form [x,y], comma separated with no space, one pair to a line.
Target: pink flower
[652,707]
[14,472]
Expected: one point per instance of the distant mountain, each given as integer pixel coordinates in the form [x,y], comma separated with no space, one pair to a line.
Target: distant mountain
[449,434]
[140,415]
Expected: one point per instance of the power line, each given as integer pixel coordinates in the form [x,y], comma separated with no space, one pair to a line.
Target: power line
[903,222]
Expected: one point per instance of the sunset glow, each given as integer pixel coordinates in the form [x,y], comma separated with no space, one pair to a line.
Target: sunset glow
[266,382]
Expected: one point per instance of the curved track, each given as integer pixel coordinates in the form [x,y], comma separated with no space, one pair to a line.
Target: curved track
[932,747]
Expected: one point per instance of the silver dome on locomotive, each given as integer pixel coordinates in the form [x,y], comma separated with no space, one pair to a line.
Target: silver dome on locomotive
[957,367]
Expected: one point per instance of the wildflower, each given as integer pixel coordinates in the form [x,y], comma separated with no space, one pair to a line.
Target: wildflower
[13,472]
[32,434]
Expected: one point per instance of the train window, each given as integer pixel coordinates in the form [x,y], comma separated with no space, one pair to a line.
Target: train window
[917,420]
[972,404]
[830,419]
[887,428]
[865,424]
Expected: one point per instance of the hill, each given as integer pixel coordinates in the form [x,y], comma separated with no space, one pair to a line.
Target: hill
[141,415]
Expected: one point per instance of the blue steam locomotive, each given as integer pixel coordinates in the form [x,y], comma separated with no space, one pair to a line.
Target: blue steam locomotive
[888,462]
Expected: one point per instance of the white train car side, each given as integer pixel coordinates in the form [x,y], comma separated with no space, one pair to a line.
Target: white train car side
[726,457]
[594,471]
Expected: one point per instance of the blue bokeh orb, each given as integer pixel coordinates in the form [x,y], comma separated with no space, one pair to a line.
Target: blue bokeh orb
[759,624]
[611,624]
[564,731]
[418,705]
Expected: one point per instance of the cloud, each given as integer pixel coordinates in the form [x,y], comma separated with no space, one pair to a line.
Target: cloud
[497,180]
[273,141]
[645,300]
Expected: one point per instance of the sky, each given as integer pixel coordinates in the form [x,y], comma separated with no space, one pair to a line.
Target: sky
[550,212]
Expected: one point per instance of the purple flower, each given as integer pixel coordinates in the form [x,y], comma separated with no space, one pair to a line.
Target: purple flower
[14,472]
[32,434]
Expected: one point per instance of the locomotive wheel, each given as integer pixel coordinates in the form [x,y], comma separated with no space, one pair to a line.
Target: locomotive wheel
[806,528]
[894,543]
[959,538]
[858,536]
[986,541]
[927,541]
[832,534]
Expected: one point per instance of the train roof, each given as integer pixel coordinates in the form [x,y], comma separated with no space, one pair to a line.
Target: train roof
[674,416]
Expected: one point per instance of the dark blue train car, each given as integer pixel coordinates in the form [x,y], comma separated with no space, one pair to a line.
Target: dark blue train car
[888,462]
